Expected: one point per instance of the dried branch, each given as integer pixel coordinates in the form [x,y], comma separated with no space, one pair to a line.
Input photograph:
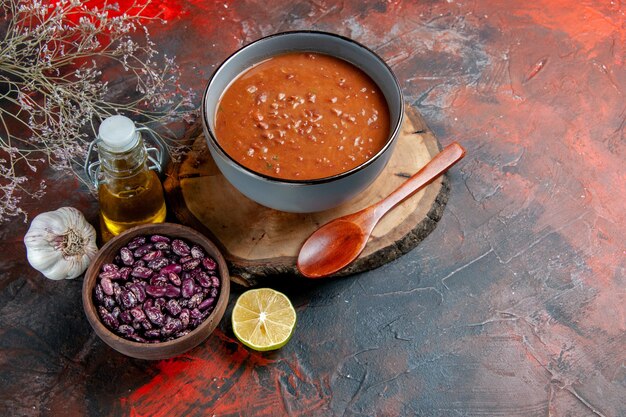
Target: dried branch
[53,92]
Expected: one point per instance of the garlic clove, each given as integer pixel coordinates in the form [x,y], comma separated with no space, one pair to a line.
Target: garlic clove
[76,268]
[59,271]
[42,259]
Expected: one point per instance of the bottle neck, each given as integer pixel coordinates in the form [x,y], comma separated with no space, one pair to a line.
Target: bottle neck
[123,164]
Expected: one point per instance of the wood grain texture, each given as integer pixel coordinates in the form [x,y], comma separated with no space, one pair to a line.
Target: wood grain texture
[259,242]
[339,242]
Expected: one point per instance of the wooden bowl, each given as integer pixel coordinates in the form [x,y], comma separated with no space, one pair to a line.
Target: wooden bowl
[164,349]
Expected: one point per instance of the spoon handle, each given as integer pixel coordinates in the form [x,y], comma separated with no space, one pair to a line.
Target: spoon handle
[450,155]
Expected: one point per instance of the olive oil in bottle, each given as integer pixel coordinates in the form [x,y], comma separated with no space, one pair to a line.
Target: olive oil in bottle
[135,202]
[129,192]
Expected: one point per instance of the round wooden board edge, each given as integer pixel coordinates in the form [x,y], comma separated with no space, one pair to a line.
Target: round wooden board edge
[247,273]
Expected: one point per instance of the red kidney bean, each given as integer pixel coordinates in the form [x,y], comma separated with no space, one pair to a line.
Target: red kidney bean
[108,302]
[158,281]
[197,252]
[148,303]
[190,265]
[116,312]
[109,267]
[139,262]
[99,293]
[111,274]
[174,278]
[137,338]
[125,272]
[125,330]
[117,289]
[139,292]
[126,316]
[203,279]
[195,313]
[145,324]
[158,263]
[107,318]
[214,292]
[159,239]
[209,264]
[206,303]
[175,268]
[107,286]
[195,300]
[163,246]
[160,303]
[180,248]
[142,250]
[172,291]
[185,259]
[216,281]
[155,291]
[177,324]
[152,255]
[127,256]
[154,333]
[141,272]
[128,299]
[184,317]
[155,315]
[171,325]
[173,307]
[137,313]
[188,288]
[136,242]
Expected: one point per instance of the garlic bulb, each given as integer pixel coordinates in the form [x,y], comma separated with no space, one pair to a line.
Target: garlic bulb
[61,243]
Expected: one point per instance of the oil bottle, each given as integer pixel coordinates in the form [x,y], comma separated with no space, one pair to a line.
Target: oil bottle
[129,190]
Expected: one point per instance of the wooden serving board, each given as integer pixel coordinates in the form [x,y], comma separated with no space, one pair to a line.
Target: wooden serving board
[260,242]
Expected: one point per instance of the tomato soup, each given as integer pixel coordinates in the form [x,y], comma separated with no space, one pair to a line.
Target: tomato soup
[302,116]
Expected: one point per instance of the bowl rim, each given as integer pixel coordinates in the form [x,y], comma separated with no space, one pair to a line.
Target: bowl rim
[391,137]
[101,329]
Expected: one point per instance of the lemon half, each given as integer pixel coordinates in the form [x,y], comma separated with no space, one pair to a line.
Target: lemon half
[263,319]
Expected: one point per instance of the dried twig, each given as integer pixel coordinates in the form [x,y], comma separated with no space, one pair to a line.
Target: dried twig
[52,89]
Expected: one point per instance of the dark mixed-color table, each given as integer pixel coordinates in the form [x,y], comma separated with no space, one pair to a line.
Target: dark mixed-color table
[513,306]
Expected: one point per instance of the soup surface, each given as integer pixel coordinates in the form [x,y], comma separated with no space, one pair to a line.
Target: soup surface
[302,116]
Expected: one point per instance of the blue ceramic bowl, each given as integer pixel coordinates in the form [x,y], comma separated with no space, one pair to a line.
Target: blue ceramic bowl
[302,196]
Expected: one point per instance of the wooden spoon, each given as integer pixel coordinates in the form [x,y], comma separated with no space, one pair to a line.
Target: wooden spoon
[339,242]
